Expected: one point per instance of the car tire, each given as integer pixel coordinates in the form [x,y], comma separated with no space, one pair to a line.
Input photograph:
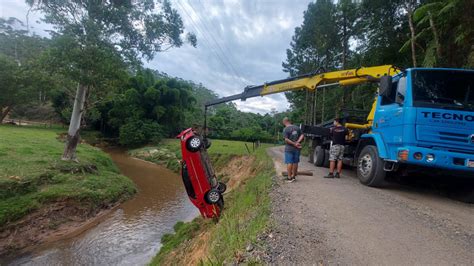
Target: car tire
[193,144]
[221,203]
[370,167]
[207,143]
[318,156]
[213,196]
[326,158]
[221,187]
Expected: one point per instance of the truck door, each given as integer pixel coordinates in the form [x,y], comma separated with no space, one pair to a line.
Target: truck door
[388,120]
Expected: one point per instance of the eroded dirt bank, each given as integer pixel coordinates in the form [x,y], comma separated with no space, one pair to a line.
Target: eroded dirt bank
[339,221]
[195,250]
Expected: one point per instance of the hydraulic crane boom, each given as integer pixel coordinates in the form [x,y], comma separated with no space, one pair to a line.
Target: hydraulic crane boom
[312,81]
[315,81]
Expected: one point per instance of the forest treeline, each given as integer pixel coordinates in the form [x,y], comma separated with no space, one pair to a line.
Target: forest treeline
[41,77]
[349,34]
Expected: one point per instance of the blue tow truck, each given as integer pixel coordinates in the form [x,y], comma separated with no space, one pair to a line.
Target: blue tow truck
[422,119]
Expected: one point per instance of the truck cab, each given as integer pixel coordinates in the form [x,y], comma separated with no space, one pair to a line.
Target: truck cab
[423,117]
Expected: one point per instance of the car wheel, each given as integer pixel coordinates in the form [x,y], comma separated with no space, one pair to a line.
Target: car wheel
[370,167]
[213,196]
[193,144]
[318,156]
[207,143]
[221,187]
[221,203]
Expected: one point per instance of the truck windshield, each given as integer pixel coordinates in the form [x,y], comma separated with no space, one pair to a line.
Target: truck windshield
[450,89]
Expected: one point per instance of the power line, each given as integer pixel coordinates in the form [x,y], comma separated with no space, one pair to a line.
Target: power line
[198,29]
[206,35]
[203,21]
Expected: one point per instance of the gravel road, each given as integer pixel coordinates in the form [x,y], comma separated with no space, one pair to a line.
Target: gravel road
[339,221]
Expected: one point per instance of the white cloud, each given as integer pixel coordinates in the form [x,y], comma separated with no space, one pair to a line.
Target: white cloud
[252,39]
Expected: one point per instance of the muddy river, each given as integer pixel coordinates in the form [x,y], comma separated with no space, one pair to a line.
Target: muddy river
[129,235]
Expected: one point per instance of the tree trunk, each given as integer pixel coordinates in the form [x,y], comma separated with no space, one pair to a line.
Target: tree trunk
[4,113]
[412,32]
[439,52]
[73,136]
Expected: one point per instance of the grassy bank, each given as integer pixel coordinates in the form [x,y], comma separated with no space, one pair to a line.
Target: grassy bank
[32,176]
[168,152]
[246,213]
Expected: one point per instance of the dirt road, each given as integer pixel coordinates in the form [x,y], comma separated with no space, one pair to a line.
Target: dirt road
[340,221]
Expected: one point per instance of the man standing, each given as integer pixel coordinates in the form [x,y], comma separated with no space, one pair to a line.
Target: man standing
[336,152]
[293,138]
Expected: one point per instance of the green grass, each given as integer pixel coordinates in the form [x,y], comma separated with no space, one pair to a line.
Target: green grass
[246,213]
[32,174]
[168,152]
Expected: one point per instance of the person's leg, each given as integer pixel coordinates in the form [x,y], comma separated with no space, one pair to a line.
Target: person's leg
[340,156]
[296,160]
[290,170]
[295,170]
[339,166]
[332,162]
[289,164]
[332,165]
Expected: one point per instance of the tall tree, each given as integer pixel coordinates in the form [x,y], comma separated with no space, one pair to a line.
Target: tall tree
[91,32]
[446,28]
[22,73]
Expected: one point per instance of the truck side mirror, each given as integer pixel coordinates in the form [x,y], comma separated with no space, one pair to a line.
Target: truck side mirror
[385,86]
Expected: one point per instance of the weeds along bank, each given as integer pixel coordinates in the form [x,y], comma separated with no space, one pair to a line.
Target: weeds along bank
[246,213]
[41,195]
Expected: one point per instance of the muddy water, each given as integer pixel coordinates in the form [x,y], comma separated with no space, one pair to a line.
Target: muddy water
[129,235]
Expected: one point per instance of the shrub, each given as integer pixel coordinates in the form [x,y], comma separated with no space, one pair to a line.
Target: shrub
[137,132]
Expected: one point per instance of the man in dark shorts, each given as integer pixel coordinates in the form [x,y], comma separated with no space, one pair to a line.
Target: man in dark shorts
[336,152]
[293,138]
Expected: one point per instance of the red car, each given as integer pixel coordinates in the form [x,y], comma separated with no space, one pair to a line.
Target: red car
[199,179]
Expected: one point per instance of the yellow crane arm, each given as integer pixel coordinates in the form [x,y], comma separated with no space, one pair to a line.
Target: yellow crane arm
[314,81]
[342,78]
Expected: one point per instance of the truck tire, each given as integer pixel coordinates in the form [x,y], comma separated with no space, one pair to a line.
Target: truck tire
[326,158]
[318,156]
[370,167]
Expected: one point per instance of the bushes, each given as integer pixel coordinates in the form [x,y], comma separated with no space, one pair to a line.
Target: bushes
[137,132]
[251,134]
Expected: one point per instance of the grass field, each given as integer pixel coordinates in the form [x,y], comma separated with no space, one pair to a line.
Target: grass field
[32,174]
[246,213]
[168,152]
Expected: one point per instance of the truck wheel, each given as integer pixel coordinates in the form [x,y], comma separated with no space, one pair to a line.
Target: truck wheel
[326,158]
[213,196]
[318,156]
[193,144]
[370,167]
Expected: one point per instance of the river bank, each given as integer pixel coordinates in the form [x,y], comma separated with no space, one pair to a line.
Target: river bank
[236,237]
[43,198]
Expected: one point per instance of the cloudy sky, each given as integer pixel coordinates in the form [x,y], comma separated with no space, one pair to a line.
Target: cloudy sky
[240,43]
